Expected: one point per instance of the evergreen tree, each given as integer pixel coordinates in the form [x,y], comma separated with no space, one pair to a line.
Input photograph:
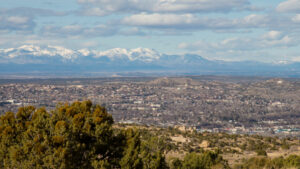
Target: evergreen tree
[77,135]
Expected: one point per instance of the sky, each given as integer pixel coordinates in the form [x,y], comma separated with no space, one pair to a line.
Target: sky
[231,30]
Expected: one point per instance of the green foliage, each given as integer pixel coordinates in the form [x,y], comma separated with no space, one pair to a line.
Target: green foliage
[82,135]
[176,163]
[77,135]
[205,160]
[292,161]
[285,145]
[261,152]
[131,158]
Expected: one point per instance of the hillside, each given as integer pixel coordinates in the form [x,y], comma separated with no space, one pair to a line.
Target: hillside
[82,135]
[237,150]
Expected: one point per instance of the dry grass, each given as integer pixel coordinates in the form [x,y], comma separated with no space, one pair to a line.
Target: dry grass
[180,139]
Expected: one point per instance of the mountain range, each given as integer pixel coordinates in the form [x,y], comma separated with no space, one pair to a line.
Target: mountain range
[60,61]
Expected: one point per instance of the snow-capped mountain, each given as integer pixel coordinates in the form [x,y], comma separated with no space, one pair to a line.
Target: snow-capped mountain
[56,59]
[141,54]
[35,54]
[36,51]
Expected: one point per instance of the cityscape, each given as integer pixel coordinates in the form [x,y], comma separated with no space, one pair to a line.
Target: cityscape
[258,106]
[150,84]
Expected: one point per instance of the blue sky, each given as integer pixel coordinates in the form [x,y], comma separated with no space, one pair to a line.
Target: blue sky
[267,31]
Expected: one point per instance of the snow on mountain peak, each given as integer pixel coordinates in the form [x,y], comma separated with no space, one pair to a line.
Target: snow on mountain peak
[67,54]
[84,52]
[31,51]
[29,48]
[145,54]
[64,54]
[141,54]
[112,53]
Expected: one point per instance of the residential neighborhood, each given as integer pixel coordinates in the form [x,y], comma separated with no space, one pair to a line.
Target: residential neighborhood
[265,107]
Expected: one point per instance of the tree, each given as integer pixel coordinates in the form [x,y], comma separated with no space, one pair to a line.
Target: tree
[77,135]
[131,158]
[205,160]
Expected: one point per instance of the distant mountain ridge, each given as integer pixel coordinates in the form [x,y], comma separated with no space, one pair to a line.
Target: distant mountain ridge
[29,53]
[29,59]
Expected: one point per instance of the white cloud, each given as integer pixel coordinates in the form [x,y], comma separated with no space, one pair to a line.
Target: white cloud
[94,11]
[132,31]
[269,40]
[191,21]
[289,6]
[159,19]
[104,7]
[17,19]
[31,12]
[271,46]
[16,23]
[22,19]
[79,30]
[16,40]
[272,35]
[255,19]
[89,44]
[296,59]
[282,42]
[296,18]
[235,49]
